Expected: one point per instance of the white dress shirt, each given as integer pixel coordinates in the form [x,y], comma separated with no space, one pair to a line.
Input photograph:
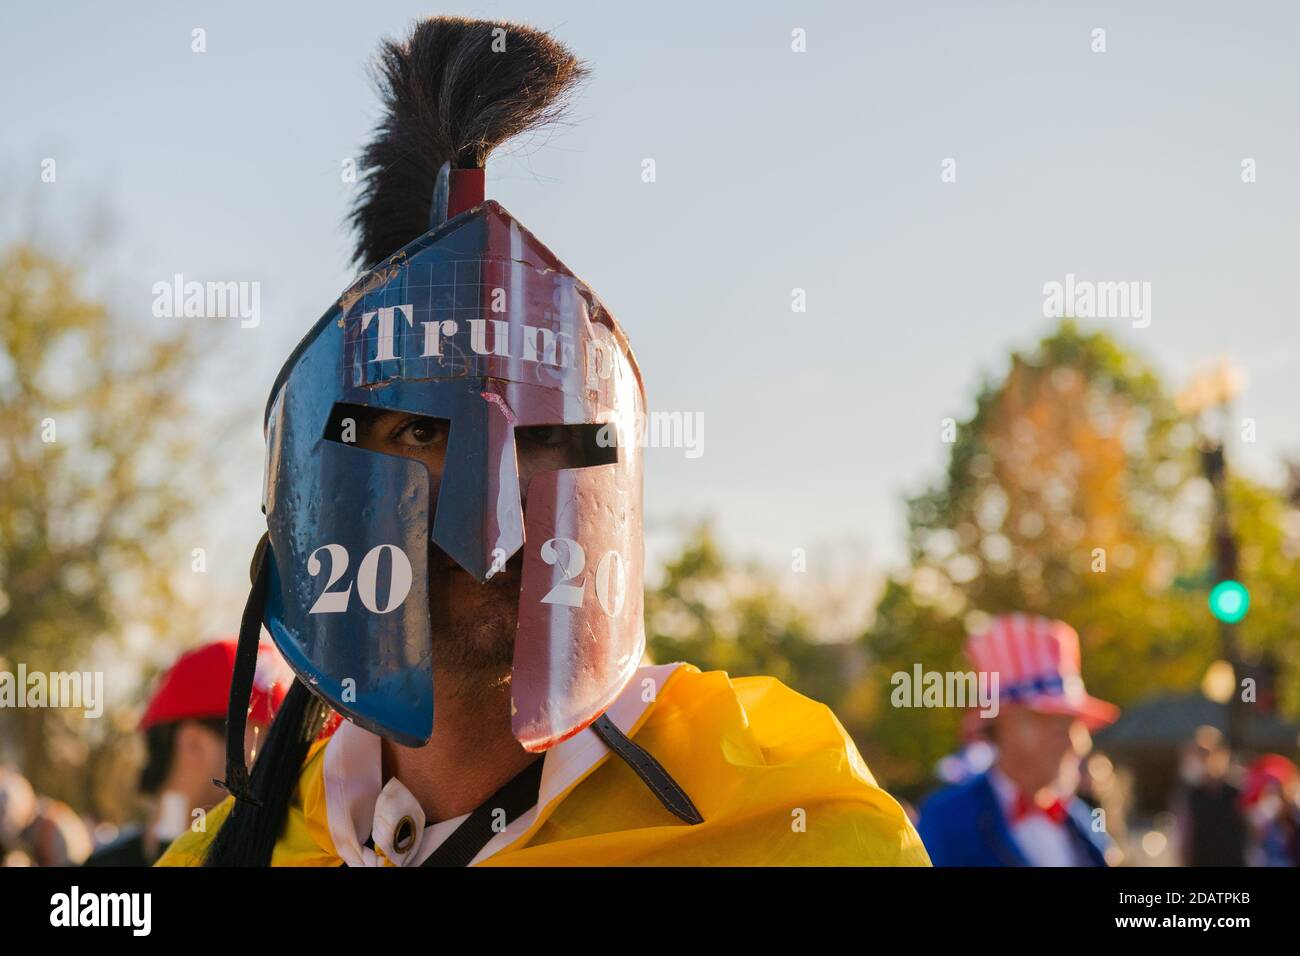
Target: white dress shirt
[1042,841]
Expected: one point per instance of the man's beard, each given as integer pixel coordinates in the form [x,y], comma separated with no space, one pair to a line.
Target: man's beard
[474,626]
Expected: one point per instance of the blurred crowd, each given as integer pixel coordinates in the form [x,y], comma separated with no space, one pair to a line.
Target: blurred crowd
[1227,809]
[1028,789]
[1234,815]
[37,831]
[1025,788]
[185,743]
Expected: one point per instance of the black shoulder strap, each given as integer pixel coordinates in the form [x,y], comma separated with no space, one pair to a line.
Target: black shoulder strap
[520,793]
[651,771]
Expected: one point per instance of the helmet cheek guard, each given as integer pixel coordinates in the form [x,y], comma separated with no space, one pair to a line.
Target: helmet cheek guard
[347,601]
[581,633]
[478,324]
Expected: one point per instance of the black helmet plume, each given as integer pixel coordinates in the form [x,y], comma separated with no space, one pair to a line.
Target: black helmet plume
[453,91]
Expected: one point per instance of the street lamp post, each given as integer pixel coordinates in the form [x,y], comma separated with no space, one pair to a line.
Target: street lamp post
[1215,389]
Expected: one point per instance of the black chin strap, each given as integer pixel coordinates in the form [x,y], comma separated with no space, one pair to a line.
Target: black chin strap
[515,796]
[241,682]
[520,793]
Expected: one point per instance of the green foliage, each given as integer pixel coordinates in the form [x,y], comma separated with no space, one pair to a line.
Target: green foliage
[100,465]
[1073,491]
[1268,529]
[721,617]
[900,744]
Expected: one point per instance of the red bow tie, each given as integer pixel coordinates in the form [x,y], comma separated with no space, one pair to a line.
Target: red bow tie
[1054,811]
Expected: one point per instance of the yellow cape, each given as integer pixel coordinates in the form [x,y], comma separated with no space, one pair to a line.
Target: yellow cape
[776,777]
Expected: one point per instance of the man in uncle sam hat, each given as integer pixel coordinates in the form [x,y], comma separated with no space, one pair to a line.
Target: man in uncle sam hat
[454,555]
[1023,811]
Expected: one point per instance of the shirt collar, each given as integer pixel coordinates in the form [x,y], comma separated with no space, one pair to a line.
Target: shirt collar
[1008,794]
[1004,790]
[355,793]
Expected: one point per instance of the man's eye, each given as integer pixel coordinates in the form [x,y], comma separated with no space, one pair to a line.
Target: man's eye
[421,432]
[549,435]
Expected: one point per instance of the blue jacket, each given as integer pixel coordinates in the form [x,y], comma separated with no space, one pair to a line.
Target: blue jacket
[963,825]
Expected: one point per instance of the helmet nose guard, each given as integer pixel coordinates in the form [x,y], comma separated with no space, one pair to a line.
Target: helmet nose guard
[482,525]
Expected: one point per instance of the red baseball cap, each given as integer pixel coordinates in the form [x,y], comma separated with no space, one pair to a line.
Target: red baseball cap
[198,685]
[1270,768]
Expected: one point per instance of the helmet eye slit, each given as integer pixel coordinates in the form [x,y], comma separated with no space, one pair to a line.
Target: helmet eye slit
[559,447]
[388,431]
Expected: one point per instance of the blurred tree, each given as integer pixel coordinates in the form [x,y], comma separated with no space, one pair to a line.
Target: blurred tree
[721,617]
[101,465]
[1072,491]
[1267,524]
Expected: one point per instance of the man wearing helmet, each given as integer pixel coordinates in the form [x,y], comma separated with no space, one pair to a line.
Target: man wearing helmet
[454,558]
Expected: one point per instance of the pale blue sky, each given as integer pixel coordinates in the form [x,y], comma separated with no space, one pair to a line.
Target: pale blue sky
[776,170]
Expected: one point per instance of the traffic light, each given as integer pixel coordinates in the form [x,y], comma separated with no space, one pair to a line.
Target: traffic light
[1229,601]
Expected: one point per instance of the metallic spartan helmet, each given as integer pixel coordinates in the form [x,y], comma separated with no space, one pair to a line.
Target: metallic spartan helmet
[478,324]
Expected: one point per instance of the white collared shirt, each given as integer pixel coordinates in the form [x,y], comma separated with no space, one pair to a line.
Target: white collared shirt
[1042,842]
[360,806]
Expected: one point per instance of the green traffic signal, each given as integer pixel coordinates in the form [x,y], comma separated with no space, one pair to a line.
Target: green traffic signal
[1229,601]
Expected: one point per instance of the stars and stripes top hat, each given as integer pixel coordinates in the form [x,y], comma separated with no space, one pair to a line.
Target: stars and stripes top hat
[1037,663]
